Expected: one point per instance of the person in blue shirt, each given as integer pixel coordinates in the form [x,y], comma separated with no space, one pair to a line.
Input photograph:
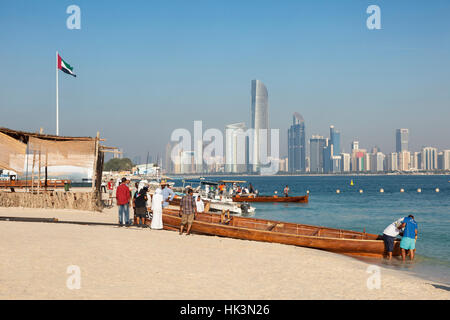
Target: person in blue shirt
[409,237]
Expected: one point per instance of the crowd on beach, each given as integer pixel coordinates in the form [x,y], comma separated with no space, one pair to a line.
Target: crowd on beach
[140,200]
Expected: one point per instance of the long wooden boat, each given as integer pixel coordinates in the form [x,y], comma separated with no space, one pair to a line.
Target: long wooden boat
[298,199]
[335,240]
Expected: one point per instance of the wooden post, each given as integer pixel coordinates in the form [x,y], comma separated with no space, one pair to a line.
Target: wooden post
[32,173]
[46,173]
[39,173]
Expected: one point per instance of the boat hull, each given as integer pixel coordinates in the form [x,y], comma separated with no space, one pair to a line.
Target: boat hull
[367,245]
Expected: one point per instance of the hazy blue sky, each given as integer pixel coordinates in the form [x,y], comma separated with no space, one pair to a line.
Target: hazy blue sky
[147,67]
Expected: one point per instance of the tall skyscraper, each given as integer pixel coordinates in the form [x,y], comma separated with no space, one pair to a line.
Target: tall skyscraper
[297,144]
[317,145]
[260,121]
[429,158]
[236,148]
[335,140]
[401,140]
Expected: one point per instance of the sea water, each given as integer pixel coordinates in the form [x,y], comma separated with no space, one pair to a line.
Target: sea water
[371,210]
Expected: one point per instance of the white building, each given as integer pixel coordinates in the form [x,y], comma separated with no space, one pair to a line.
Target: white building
[236,148]
[345,162]
[429,158]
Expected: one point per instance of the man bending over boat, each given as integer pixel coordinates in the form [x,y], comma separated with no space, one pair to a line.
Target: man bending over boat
[390,234]
[188,211]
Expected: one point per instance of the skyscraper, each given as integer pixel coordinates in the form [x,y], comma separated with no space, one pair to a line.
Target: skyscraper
[317,145]
[297,144]
[335,140]
[429,158]
[236,148]
[401,140]
[260,121]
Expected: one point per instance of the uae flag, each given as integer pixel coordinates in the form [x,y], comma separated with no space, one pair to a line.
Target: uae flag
[65,67]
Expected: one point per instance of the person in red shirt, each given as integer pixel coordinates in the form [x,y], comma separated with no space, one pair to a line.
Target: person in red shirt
[123,197]
[110,187]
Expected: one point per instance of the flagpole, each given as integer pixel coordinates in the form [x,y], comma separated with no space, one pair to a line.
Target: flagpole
[57,103]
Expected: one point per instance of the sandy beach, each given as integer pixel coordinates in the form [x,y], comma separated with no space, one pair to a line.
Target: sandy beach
[132,263]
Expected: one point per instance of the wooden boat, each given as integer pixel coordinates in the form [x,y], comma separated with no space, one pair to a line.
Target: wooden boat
[335,240]
[298,199]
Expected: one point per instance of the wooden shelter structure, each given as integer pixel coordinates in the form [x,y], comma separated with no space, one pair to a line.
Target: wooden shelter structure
[19,150]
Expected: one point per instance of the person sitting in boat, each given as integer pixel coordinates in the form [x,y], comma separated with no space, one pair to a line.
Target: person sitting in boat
[251,189]
[199,204]
[167,192]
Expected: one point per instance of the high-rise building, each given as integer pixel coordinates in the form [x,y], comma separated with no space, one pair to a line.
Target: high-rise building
[401,140]
[260,121]
[335,140]
[429,158]
[297,144]
[317,145]
[236,148]
[345,162]
[355,145]
[392,162]
[377,162]
[445,160]
[404,161]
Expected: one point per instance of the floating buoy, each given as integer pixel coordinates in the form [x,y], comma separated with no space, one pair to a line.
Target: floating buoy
[381,190]
[437,189]
[351,182]
[338,191]
[402,190]
[360,191]
[419,190]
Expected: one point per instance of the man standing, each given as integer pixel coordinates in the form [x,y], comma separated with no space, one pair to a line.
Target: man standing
[166,192]
[390,234]
[409,237]
[188,211]
[286,191]
[123,196]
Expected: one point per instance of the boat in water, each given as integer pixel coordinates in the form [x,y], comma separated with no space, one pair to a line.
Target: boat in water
[346,242]
[254,198]
[214,200]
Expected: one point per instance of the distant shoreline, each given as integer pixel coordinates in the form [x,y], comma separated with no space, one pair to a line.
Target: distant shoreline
[307,175]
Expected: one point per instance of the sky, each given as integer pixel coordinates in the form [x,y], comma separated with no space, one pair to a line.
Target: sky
[146,68]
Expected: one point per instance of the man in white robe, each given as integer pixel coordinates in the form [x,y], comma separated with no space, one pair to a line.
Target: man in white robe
[157,202]
[199,204]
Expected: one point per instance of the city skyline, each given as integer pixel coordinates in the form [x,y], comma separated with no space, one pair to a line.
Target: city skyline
[147,72]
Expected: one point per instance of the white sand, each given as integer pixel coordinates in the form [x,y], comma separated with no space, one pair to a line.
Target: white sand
[122,263]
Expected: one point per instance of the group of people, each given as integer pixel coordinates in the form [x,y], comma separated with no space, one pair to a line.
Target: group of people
[139,200]
[407,227]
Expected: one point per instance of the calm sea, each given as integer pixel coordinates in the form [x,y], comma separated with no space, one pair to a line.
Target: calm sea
[371,210]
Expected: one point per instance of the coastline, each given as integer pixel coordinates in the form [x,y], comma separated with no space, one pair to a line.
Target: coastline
[122,263]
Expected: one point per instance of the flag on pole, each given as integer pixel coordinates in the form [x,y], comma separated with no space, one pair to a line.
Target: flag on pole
[65,67]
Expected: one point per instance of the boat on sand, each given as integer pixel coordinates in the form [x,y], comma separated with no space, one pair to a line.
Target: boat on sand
[346,242]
